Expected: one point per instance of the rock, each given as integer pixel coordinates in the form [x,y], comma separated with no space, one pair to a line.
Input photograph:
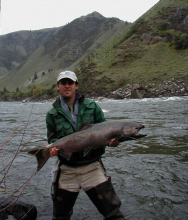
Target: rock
[149,39]
[118,95]
[137,94]
[136,86]
[17,209]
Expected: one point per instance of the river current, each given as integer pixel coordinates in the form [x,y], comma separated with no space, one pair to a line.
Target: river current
[149,175]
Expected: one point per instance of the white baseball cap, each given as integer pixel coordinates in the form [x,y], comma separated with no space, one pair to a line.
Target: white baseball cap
[67,74]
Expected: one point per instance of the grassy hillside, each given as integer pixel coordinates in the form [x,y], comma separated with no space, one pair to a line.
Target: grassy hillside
[153,49]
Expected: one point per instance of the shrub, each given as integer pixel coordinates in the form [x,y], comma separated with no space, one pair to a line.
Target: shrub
[181,42]
[37,91]
[162,26]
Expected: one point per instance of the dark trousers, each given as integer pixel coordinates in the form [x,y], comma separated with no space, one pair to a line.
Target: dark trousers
[103,196]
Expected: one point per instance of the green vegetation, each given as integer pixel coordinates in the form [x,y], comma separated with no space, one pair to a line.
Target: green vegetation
[33,93]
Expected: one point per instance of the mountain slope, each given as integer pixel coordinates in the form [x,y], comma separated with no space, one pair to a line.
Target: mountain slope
[65,49]
[16,47]
[152,50]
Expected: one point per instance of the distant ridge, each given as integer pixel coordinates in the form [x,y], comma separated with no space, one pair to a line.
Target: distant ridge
[16,47]
[52,50]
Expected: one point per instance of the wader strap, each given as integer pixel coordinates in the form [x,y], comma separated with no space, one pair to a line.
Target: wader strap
[100,161]
[57,180]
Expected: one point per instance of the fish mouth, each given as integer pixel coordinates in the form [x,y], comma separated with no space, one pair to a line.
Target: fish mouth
[140,135]
[138,128]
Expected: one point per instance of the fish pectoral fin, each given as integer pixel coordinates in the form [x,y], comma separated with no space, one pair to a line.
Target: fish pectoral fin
[86,151]
[66,155]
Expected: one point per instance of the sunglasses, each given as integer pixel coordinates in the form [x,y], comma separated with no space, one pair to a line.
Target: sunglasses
[65,81]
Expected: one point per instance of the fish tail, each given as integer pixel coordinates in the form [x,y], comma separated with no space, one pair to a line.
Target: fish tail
[42,156]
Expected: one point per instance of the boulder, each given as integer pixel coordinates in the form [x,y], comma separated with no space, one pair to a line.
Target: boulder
[17,209]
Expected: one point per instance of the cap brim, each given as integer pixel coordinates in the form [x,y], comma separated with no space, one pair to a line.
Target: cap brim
[67,77]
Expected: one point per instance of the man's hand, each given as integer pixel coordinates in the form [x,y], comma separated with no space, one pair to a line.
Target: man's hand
[53,151]
[113,143]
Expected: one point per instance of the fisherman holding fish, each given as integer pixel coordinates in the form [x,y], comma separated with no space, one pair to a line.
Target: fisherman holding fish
[78,170]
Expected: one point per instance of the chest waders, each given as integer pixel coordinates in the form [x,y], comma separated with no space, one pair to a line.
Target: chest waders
[63,202]
[103,197]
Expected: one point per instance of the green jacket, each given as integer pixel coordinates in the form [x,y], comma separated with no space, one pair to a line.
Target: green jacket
[59,125]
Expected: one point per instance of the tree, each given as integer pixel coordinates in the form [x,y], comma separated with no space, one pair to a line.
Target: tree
[35,76]
[181,42]
[5,90]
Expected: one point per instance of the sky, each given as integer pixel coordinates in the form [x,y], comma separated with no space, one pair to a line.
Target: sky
[16,15]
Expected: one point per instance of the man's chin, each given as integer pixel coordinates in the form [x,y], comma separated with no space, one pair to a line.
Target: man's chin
[67,95]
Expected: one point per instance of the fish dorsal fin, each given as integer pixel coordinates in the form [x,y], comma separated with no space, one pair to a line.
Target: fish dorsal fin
[85,126]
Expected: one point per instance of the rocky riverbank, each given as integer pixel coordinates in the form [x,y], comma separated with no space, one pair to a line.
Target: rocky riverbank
[138,91]
[165,89]
[170,88]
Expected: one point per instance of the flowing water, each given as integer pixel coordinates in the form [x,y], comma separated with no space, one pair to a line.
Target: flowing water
[149,175]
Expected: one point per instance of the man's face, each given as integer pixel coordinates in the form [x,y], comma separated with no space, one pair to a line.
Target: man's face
[67,89]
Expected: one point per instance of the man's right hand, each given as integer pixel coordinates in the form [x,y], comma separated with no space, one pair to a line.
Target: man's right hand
[53,151]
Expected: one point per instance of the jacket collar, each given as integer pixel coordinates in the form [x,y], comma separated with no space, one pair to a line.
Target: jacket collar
[57,103]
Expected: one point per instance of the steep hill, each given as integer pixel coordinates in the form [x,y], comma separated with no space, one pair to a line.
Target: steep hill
[152,51]
[16,47]
[64,49]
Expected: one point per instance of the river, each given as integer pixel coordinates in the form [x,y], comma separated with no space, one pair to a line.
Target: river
[149,175]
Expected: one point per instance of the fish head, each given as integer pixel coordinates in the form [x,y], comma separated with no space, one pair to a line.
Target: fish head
[130,131]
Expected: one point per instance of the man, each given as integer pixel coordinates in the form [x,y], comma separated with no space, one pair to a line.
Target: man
[69,112]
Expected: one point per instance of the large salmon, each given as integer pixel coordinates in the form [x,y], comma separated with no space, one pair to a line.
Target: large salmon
[90,137]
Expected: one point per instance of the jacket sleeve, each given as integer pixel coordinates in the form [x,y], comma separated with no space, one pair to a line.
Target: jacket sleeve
[51,131]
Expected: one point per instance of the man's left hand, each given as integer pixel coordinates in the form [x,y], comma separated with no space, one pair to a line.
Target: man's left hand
[113,143]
